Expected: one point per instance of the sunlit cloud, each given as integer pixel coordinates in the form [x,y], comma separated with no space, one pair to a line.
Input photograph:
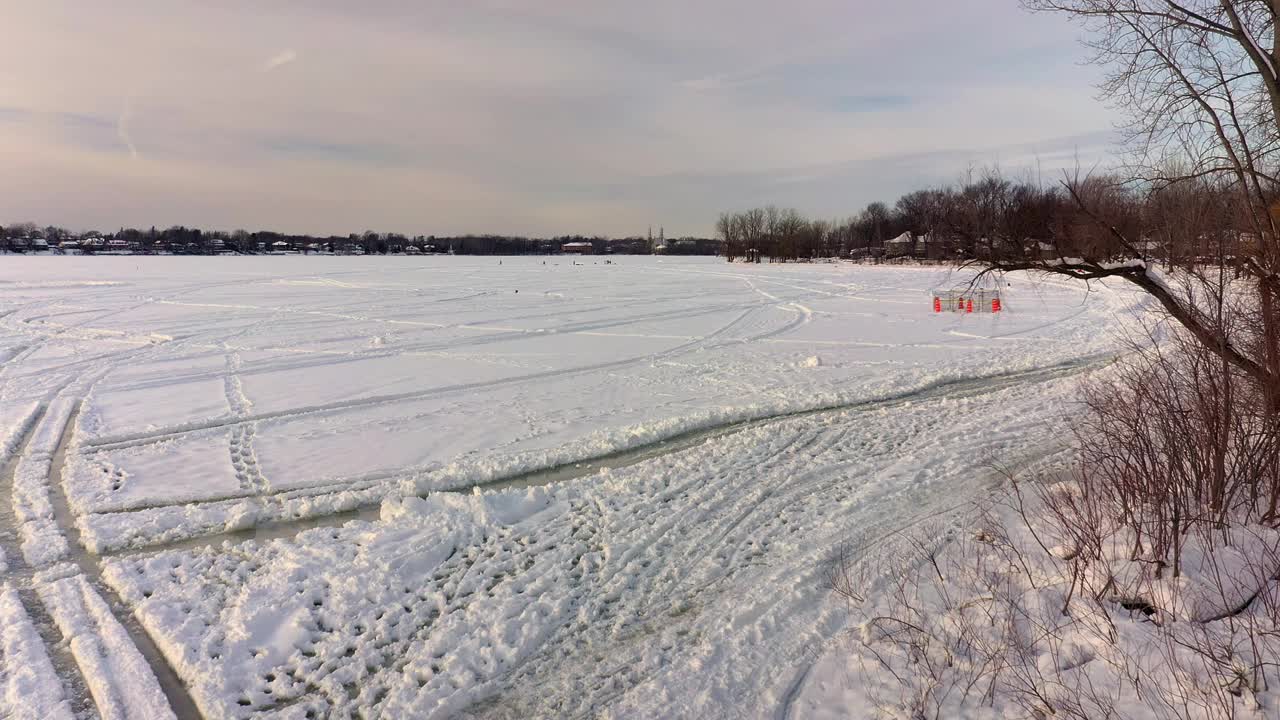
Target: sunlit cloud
[283,57]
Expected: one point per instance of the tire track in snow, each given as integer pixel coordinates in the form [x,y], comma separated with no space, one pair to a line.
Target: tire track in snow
[277,527]
[125,440]
[678,544]
[74,687]
[717,503]
[337,357]
[586,530]
[89,567]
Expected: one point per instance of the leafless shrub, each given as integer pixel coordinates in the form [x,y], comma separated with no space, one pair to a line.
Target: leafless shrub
[1174,442]
[1034,615]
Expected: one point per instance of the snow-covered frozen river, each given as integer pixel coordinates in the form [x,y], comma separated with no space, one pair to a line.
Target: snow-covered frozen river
[157,413]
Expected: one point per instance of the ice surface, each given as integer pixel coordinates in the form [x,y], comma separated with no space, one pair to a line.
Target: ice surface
[222,394]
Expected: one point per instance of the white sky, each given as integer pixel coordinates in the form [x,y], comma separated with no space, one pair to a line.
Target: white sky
[539,117]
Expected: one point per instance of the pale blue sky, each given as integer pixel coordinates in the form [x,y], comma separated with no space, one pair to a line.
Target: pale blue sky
[539,117]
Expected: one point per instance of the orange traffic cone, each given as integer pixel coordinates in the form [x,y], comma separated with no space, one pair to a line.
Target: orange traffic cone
[969,308]
[937,304]
[995,305]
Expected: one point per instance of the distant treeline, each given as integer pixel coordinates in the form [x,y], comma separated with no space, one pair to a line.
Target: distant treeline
[28,237]
[995,218]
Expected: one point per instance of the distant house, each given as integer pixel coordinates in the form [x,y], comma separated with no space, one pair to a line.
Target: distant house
[413,250]
[116,245]
[932,246]
[39,245]
[902,246]
[280,246]
[1153,248]
[577,248]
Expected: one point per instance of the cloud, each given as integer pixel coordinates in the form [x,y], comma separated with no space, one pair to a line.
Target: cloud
[510,116]
[721,81]
[870,103]
[14,114]
[284,57]
[122,128]
[306,149]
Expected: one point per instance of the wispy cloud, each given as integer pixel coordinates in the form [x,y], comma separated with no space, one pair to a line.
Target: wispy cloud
[720,81]
[13,114]
[122,128]
[870,103]
[284,57]
[345,152]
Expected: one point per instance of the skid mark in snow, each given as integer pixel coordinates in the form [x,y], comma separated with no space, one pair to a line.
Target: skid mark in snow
[788,700]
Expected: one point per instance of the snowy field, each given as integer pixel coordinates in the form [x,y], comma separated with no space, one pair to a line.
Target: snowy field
[225,479]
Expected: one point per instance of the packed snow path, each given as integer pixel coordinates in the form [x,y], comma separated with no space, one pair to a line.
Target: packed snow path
[202,398]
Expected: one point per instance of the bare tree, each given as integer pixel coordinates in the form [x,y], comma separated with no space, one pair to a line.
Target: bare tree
[1199,81]
[752,226]
[727,229]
